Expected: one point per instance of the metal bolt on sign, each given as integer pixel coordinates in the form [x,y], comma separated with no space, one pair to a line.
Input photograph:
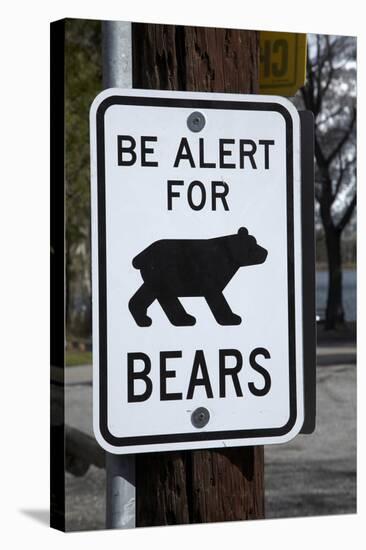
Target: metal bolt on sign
[196,121]
[200,417]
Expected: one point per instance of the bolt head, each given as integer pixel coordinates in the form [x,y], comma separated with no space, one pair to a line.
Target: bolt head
[196,121]
[200,417]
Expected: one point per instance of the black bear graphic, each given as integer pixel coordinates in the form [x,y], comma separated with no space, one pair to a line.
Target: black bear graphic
[178,268]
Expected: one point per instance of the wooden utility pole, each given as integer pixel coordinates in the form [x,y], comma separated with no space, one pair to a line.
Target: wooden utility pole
[197,486]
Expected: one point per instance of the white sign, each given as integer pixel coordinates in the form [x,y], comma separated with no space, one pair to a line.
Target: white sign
[197,290]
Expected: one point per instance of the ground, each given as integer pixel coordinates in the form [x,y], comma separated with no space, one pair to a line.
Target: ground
[312,475]
[316,474]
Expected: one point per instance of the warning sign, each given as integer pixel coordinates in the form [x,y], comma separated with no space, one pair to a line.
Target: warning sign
[282,62]
[197,291]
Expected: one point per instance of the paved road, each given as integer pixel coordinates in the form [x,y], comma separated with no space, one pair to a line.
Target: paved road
[312,475]
[339,355]
[316,474]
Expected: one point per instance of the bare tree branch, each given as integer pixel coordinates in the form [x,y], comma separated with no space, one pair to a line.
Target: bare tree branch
[328,94]
[318,195]
[343,168]
[320,158]
[323,90]
[344,139]
[347,215]
[330,116]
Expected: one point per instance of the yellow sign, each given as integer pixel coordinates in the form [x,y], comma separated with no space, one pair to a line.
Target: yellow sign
[282,62]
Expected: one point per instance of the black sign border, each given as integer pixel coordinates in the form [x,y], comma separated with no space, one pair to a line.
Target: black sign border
[102,275]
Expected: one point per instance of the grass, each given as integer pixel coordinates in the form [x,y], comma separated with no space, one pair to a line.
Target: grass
[75,358]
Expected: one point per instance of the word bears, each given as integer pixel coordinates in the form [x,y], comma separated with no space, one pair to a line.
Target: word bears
[199,377]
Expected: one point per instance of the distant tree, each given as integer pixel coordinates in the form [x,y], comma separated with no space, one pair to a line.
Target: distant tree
[83,80]
[330,93]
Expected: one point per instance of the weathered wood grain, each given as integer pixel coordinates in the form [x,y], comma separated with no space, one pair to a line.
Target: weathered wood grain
[208,485]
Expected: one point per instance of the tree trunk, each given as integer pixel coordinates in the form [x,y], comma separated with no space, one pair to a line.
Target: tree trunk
[334,311]
[197,486]
[168,57]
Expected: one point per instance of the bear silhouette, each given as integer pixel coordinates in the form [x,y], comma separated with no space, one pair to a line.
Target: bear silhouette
[203,267]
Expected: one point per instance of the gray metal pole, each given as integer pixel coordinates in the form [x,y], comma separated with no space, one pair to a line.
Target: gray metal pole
[120,497]
[120,469]
[117,54]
